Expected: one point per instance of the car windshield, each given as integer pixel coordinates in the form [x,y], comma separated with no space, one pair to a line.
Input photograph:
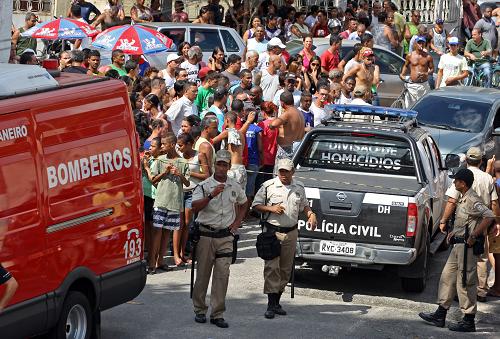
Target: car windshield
[360,153]
[452,113]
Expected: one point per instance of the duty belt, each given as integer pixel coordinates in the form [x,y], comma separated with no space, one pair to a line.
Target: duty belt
[279,229]
[457,240]
[214,232]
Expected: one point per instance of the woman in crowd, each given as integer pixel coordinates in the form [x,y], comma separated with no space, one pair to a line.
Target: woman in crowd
[64,60]
[383,33]
[188,123]
[199,171]
[307,52]
[295,66]
[150,106]
[256,22]
[217,61]
[299,29]
[183,50]
[140,13]
[311,76]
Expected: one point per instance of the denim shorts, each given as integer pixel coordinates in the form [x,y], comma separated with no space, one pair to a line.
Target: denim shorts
[188,199]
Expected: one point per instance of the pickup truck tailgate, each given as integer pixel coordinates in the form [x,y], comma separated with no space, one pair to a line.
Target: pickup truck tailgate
[357,217]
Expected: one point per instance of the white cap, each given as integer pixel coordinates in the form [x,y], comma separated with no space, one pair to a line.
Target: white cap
[28,50]
[276,42]
[172,57]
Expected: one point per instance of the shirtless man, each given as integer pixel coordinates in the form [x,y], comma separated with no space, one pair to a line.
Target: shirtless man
[291,127]
[366,73]
[235,143]
[209,130]
[421,67]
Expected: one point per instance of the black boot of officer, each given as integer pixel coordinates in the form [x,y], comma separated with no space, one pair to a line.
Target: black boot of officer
[465,325]
[271,305]
[278,309]
[437,318]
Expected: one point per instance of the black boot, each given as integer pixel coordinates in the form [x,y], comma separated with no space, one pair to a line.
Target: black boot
[467,324]
[271,305]
[277,309]
[437,318]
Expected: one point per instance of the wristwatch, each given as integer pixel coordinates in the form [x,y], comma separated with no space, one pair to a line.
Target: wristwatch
[210,196]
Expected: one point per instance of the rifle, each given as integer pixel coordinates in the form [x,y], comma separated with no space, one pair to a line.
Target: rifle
[466,250]
[194,243]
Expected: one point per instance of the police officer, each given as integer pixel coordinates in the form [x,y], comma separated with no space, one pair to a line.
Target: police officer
[221,204]
[281,199]
[484,186]
[472,217]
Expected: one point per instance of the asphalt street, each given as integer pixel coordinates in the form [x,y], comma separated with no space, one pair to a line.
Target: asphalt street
[356,304]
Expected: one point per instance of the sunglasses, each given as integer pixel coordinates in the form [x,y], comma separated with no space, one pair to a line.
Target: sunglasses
[314,64]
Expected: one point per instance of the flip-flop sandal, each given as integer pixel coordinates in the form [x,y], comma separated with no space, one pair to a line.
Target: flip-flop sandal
[151,271]
[187,261]
[180,263]
[164,268]
[490,294]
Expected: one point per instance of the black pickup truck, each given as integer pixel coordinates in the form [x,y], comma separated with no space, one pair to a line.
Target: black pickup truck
[378,192]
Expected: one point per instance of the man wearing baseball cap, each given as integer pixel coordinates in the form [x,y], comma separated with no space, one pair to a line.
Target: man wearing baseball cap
[287,81]
[484,187]
[452,67]
[280,200]
[366,73]
[459,274]
[274,47]
[421,65]
[168,73]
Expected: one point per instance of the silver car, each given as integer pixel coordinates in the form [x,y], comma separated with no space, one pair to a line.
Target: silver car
[206,36]
[390,65]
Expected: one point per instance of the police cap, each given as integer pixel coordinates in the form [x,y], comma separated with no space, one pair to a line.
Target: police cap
[465,175]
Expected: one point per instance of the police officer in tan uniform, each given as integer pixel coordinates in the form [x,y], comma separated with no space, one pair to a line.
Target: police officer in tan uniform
[471,213]
[281,199]
[484,186]
[221,204]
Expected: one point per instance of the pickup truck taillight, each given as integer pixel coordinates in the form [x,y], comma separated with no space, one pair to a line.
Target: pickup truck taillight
[412,220]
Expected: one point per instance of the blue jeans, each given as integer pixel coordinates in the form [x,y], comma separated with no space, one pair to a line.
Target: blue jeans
[486,69]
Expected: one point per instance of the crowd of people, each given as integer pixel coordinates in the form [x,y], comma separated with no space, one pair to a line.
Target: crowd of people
[258,105]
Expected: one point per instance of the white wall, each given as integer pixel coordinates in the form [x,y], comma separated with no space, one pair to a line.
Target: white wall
[5,25]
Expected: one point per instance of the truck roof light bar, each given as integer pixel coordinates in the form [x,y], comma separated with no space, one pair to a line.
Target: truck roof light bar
[373,110]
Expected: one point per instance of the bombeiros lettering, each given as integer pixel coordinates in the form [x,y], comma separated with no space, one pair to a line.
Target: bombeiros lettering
[92,166]
[13,133]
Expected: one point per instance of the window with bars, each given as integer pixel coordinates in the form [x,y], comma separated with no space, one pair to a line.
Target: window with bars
[35,6]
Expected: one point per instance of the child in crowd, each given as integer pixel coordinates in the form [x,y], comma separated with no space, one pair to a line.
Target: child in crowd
[170,173]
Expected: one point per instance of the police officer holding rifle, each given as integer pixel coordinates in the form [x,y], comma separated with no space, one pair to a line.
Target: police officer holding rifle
[459,274]
[221,205]
[281,200]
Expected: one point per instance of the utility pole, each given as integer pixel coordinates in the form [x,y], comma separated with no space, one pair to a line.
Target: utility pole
[5,26]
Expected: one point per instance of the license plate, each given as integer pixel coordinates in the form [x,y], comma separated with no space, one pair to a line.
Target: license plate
[337,247]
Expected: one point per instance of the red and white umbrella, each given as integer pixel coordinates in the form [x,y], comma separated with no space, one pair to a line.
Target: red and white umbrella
[133,39]
[62,28]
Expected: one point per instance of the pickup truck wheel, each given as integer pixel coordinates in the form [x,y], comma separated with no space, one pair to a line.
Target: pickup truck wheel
[76,319]
[417,285]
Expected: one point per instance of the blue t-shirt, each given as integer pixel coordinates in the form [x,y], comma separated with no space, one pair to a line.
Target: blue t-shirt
[308,118]
[253,149]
